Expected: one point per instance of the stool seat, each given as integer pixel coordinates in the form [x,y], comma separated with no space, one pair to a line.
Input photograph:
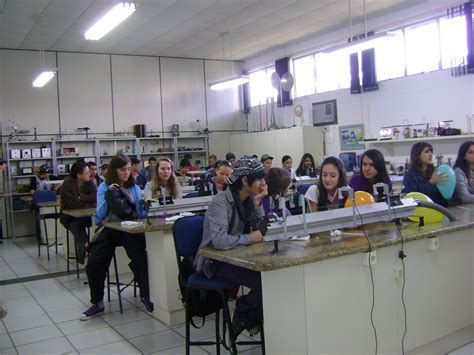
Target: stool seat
[48,215]
[198,279]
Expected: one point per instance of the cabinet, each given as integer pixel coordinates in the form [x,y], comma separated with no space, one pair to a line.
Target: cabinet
[68,151]
[198,147]
[109,147]
[294,141]
[157,147]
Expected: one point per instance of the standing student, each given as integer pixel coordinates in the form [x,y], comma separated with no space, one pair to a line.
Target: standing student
[229,223]
[464,170]
[421,176]
[306,167]
[215,184]
[373,171]
[118,199]
[163,177]
[74,196]
[325,195]
[184,179]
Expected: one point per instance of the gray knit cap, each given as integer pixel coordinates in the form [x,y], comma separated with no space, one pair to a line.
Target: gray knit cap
[246,166]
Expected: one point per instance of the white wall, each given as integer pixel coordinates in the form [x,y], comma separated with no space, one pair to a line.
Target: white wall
[111,93]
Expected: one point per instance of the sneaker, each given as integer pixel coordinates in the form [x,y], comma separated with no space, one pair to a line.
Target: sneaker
[148,304]
[91,312]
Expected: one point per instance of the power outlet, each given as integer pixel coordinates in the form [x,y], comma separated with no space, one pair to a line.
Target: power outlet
[369,258]
[433,243]
[398,273]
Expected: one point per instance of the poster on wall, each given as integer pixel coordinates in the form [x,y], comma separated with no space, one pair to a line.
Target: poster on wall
[352,137]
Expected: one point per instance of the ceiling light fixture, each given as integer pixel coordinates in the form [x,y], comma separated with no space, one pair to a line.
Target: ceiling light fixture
[233,81]
[109,21]
[45,74]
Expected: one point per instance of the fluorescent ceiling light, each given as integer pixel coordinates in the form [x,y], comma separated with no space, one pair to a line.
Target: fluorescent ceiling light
[109,21]
[229,83]
[42,78]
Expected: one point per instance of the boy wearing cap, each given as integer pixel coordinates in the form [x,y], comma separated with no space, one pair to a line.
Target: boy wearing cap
[267,161]
[38,183]
[233,218]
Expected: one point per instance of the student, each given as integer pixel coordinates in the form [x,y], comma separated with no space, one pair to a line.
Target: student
[73,196]
[215,184]
[140,179]
[189,157]
[148,171]
[40,181]
[212,162]
[184,179]
[118,199]
[103,172]
[233,219]
[421,176]
[93,177]
[373,171]
[230,157]
[325,195]
[464,169]
[163,176]
[267,161]
[287,164]
[306,167]
[278,180]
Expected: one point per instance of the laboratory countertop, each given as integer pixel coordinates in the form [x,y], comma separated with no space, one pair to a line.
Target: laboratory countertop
[260,256]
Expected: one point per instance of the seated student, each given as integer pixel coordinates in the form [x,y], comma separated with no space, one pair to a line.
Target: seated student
[215,184]
[421,176]
[74,196]
[140,179]
[189,157]
[93,177]
[184,179]
[278,180]
[231,221]
[287,164]
[325,195]
[118,199]
[148,171]
[212,162]
[230,157]
[464,169]
[267,161]
[39,182]
[306,167]
[372,171]
[163,177]
[103,172]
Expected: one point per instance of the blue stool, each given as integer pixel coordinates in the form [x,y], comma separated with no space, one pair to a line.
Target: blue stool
[45,196]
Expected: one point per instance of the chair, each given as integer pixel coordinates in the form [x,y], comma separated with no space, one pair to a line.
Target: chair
[120,286]
[187,235]
[45,196]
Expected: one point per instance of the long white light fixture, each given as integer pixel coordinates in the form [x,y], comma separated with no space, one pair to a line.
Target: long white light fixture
[229,83]
[109,21]
[43,77]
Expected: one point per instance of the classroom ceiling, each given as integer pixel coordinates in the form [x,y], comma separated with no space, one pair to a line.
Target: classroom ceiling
[184,28]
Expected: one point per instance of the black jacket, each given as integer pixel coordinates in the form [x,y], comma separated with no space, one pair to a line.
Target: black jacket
[119,204]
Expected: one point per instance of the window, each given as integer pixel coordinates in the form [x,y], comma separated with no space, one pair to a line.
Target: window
[390,56]
[332,70]
[453,41]
[422,48]
[304,70]
[260,86]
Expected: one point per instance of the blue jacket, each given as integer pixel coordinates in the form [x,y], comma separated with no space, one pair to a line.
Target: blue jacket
[415,182]
[102,210]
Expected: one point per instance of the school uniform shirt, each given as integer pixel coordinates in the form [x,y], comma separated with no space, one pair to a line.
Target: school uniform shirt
[311,172]
[464,188]
[360,183]
[313,195]
[413,181]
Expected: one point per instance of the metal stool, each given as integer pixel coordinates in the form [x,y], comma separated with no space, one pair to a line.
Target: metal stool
[120,286]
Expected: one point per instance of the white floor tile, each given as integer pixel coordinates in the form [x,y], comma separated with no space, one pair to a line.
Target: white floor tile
[142,327]
[64,315]
[58,301]
[3,330]
[182,350]
[120,347]
[33,335]
[113,306]
[94,338]
[23,306]
[13,291]
[5,342]
[51,346]
[9,351]
[78,326]
[157,341]
[130,315]
[14,323]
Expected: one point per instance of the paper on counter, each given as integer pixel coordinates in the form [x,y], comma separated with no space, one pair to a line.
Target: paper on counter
[131,224]
[300,237]
[178,216]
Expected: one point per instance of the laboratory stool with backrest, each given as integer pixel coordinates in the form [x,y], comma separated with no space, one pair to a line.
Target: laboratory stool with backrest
[120,286]
[187,235]
[45,196]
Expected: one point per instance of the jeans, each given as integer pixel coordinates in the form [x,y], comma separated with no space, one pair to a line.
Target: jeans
[78,227]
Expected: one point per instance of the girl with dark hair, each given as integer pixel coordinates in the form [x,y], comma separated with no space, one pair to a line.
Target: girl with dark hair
[373,171]
[118,199]
[74,195]
[325,195]
[163,177]
[307,166]
[232,220]
[212,185]
[464,169]
[287,164]
[421,176]
[278,180]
